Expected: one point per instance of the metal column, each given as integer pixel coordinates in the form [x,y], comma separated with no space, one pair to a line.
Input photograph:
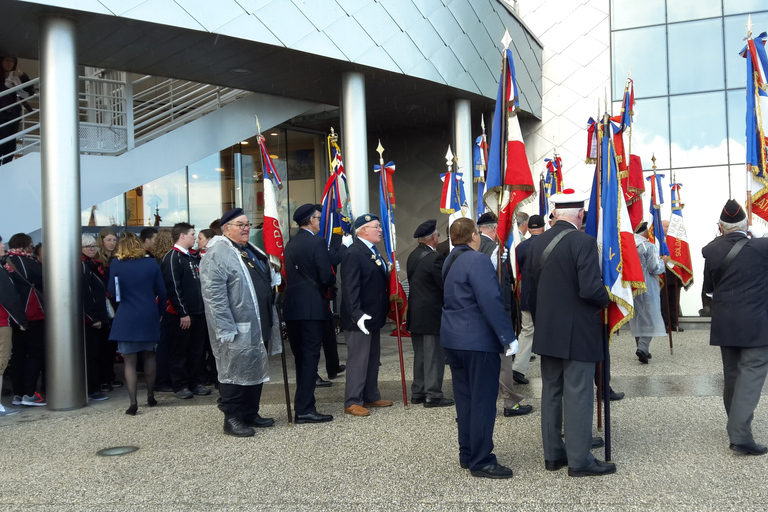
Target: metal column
[354,139]
[60,155]
[462,130]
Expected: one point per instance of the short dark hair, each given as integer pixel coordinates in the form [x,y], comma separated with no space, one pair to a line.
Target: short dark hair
[208,233]
[461,231]
[146,234]
[20,241]
[216,226]
[179,229]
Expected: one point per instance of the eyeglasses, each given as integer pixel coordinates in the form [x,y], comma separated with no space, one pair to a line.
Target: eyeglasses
[241,226]
[89,247]
[317,216]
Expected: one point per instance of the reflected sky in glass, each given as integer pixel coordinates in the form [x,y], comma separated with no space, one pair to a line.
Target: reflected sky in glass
[107,213]
[644,50]
[696,56]
[684,10]
[166,196]
[631,13]
[744,6]
[650,132]
[735,32]
[697,124]
[737,113]
[205,199]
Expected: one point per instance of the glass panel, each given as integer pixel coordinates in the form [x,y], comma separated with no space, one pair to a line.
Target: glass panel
[698,129]
[737,113]
[645,51]
[690,45]
[108,213]
[206,201]
[650,132]
[165,200]
[303,159]
[684,10]
[744,6]
[630,13]
[735,32]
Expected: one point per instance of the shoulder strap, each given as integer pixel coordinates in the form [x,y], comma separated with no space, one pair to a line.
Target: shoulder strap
[735,250]
[448,268]
[423,255]
[547,251]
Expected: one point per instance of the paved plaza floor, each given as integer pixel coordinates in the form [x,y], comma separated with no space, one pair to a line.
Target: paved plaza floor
[669,445]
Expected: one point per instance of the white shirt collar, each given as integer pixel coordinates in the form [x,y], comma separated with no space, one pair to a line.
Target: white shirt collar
[180,248]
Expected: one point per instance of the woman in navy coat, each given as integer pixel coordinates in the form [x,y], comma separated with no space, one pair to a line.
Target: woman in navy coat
[137,285]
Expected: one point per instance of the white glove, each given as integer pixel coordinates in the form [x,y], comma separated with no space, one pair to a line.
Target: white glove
[757,231]
[511,349]
[346,240]
[397,265]
[361,323]
[227,338]
[495,257]
[504,255]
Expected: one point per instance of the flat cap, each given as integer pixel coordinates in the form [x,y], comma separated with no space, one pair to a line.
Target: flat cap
[535,221]
[425,228]
[641,228]
[231,214]
[732,212]
[487,218]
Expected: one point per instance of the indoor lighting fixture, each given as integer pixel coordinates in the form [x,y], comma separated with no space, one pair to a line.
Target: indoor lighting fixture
[220,169]
[245,142]
[274,157]
[274,134]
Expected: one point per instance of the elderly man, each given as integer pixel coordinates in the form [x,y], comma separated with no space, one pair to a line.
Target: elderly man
[237,285]
[562,269]
[425,304]
[306,307]
[735,275]
[647,322]
[364,307]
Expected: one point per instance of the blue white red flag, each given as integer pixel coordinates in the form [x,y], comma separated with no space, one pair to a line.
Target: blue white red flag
[453,199]
[481,165]
[656,229]
[397,297]
[757,108]
[337,206]
[677,241]
[553,184]
[273,235]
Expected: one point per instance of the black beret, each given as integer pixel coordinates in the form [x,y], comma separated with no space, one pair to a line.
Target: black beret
[641,228]
[486,218]
[231,214]
[425,229]
[303,212]
[364,219]
[535,221]
[732,212]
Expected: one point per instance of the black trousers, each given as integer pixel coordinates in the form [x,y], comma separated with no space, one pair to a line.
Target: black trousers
[185,350]
[106,355]
[237,401]
[305,337]
[92,339]
[28,357]
[330,347]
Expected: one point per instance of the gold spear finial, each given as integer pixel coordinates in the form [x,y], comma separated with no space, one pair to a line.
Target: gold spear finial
[380,151]
[334,136]
[653,159]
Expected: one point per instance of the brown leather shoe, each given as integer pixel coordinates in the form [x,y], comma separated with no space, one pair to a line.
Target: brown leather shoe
[379,403]
[357,410]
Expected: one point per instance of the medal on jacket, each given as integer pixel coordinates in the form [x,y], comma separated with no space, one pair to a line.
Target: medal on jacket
[376,259]
[247,258]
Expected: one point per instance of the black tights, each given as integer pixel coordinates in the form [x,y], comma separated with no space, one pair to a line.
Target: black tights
[150,371]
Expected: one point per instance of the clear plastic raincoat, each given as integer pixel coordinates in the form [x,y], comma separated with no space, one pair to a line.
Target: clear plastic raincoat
[647,320]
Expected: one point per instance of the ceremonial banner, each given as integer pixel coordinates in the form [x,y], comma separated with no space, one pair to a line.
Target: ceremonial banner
[634,191]
[273,236]
[397,295]
[337,206]
[591,142]
[481,164]
[677,241]
[453,198]
[757,107]
[656,230]
[509,182]
[554,182]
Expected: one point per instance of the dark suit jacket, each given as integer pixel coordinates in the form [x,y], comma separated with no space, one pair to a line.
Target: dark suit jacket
[425,290]
[521,254]
[487,246]
[738,300]
[364,289]
[567,304]
[303,301]
[473,311]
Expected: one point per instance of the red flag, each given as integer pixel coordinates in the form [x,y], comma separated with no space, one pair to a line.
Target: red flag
[273,235]
[635,188]
[677,241]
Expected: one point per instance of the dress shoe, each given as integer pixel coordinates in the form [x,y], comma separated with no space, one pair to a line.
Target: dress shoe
[533,358]
[519,378]
[259,422]
[200,390]
[554,465]
[598,468]
[183,394]
[379,403]
[313,417]
[131,411]
[151,401]
[597,442]
[419,400]
[438,402]
[464,465]
[341,369]
[614,396]
[518,410]
[642,356]
[357,410]
[320,383]
[750,448]
[493,471]
[235,427]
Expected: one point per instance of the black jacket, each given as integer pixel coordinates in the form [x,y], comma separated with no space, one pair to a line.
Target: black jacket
[32,270]
[303,300]
[94,296]
[364,289]
[182,282]
[425,290]
[10,301]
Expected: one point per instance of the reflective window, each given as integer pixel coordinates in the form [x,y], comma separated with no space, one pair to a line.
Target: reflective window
[697,124]
[684,10]
[303,158]
[163,202]
[210,190]
[107,213]
[744,6]
[737,113]
[650,132]
[735,32]
[696,56]
[643,50]
[631,13]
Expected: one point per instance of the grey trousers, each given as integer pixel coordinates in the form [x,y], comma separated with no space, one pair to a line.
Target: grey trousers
[744,371]
[428,366]
[506,383]
[525,346]
[644,343]
[567,384]
[363,355]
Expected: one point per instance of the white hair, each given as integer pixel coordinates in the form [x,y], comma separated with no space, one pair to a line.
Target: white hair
[87,239]
[567,212]
[734,226]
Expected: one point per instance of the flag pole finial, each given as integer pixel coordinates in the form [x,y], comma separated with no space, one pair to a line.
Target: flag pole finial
[449,158]
[653,159]
[482,122]
[506,39]
[334,137]
[629,73]
[258,126]
[380,151]
[749,26]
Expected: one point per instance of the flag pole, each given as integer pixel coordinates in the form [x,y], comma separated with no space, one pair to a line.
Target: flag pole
[606,351]
[383,171]
[666,281]
[598,192]
[503,138]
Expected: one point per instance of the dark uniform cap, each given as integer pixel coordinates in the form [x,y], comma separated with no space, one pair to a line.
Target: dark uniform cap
[231,214]
[364,219]
[425,229]
[568,198]
[535,221]
[303,212]
[732,212]
[486,218]
[641,228]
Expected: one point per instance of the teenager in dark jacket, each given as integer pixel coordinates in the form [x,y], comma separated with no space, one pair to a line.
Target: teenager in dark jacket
[11,310]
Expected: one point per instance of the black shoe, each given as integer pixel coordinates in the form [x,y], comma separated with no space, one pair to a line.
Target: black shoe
[183,393]
[313,417]
[518,410]
[680,329]
[642,356]
[750,448]
[106,387]
[597,442]
[519,378]
[320,383]
[614,396]
[201,390]
[235,427]
[341,369]
[151,401]
[493,471]
[554,465]
[420,400]
[117,384]
[438,402]
[132,409]
[464,465]
[598,468]
[259,422]
[533,358]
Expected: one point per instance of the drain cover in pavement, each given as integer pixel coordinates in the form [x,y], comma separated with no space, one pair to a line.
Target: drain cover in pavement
[117,450]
